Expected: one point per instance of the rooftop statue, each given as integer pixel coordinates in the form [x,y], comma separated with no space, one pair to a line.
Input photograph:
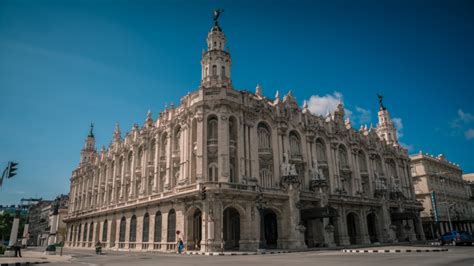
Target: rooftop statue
[217,13]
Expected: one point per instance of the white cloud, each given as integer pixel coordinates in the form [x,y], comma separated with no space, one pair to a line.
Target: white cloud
[462,118]
[363,116]
[320,105]
[409,147]
[469,134]
[398,125]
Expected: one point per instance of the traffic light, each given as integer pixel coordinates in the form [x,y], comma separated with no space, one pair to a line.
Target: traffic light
[203,193]
[11,172]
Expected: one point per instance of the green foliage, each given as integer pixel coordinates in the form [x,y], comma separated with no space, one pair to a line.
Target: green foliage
[2,249]
[6,221]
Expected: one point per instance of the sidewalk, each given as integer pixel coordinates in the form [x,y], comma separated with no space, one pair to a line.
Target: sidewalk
[32,257]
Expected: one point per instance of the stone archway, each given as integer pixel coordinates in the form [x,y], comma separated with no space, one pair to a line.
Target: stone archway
[270,226]
[194,229]
[372,227]
[352,221]
[231,229]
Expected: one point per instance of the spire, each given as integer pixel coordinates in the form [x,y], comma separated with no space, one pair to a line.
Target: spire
[117,134]
[88,150]
[305,107]
[258,90]
[149,119]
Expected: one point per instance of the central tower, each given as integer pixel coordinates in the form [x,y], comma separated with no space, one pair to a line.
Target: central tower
[216,62]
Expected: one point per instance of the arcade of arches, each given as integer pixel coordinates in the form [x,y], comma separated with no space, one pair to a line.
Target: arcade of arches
[235,170]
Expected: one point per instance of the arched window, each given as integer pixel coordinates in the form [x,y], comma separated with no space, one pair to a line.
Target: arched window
[104,231]
[152,151]
[320,151]
[177,139]
[71,230]
[343,162]
[223,71]
[378,166]
[212,128]
[295,145]
[133,229]
[214,70]
[123,223]
[84,236]
[129,162]
[157,235]
[164,142]
[266,178]
[212,172]
[146,228]
[362,162]
[171,226]
[91,231]
[264,138]
[79,233]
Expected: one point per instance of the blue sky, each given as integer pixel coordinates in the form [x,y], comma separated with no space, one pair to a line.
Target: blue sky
[65,64]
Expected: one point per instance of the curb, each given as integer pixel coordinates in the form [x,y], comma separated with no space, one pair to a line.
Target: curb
[393,250]
[242,253]
[24,263]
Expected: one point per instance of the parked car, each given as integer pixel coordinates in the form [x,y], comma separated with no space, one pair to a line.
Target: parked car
[456,238]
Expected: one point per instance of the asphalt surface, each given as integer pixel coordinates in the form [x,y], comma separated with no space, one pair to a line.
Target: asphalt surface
[455,256]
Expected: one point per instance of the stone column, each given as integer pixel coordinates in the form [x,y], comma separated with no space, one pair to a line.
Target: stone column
[342,236]
[364,237]
[223,148]
[53,229]
[133,177]
[139,232]
[169,163]
[156,168]
[296,235]
[200,138]
[14,231]
[164,229]
[253,142]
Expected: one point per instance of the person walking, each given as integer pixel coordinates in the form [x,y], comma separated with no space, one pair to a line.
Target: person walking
[180,245]
[17,248]
[98,248]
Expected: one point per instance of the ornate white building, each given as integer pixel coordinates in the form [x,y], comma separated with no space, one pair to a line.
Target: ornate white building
[234,170]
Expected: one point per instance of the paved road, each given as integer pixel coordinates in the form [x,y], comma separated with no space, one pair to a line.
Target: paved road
[455,256]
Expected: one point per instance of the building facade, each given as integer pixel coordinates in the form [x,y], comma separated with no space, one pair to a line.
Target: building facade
[439,186]
[234,170]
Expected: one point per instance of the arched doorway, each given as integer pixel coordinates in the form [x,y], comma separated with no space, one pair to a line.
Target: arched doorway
[372,227]
[352,221]
[231,229]
[270,229]
[194,231]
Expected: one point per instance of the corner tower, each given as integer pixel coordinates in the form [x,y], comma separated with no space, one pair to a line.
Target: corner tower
[216,61]
[385,127]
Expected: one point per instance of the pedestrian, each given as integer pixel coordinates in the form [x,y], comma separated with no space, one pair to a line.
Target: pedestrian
[180,245]
[98,248]
[17,247]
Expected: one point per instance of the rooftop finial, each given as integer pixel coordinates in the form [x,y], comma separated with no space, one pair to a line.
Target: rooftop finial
[91,133]
[381,102]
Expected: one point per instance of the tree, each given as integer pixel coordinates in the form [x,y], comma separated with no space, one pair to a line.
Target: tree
[6,222]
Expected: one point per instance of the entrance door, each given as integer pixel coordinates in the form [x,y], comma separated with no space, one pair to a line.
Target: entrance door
[231,229]
[372,227]
[271,229]
[352,228]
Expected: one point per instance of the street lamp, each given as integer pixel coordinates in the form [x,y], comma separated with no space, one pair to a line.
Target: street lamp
[260,203]
[443,180]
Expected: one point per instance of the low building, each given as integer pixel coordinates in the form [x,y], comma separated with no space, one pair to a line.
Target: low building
[469,182]
[440,187]
[43,226]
